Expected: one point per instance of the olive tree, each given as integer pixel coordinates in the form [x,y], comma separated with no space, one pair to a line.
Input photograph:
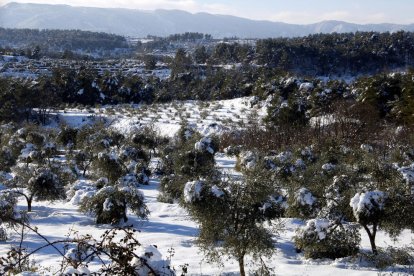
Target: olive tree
[8,202]
[232,216]
[386,202]
[109,204]
[37,184]
[189,157]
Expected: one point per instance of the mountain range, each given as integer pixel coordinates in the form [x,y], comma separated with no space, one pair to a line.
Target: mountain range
[140,23]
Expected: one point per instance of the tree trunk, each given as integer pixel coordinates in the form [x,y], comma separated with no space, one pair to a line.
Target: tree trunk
[371,237]
[241,266]
[29,203]
[124,212]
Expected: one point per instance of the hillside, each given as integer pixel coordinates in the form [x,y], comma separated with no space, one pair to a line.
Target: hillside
[165,22]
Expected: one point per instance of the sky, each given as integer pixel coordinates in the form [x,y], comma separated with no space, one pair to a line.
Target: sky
[289,11]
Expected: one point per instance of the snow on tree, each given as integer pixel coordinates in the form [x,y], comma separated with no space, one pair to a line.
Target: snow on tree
[109,204]
[232,215]
[368,209]
[152,257]
[79,190]
[192,191]
[336,196]
[109,165]
[304,204]
[368,206]
[323,238]
[247,160]
[37,184]
[205,145]
[328,167]
[186,160]
[29,153]
[8,211]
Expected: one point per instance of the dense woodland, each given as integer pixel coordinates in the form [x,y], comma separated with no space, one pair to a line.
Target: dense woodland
[60,40]
[339,54]
[315,55]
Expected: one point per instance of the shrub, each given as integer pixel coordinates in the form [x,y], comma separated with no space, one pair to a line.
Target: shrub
[321,238]
[190,157]
[303,204]
[392,256]
[67,136]
[109,204]
[38,184]
[7,159]
[3,234]
[8,212]
[109,165]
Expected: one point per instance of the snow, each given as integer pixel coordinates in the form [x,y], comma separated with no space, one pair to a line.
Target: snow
[80,195]
[27,151]
[366,147]
[217,192]
[407,173]
[368,202]
[299,163]
[76,271]
[215,119]
[248,159]
[153,257]
[320,226]
[107,205]
[192,191]
[169,225]
[306,86]
[284,156]
[204,145]
[304,197]
[328,167]
[323,120]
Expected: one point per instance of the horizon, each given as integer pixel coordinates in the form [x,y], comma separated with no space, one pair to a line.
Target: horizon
[353,12]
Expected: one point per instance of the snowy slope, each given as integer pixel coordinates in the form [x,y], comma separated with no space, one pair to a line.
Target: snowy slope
[168,225]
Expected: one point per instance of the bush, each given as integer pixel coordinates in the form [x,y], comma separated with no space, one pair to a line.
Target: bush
[109,165]
[67,136]
[303,204]
[190,157]
[321,238]
[392,256]
[7,159]
[3,234]
[8,212]
[45,185]
[109,205]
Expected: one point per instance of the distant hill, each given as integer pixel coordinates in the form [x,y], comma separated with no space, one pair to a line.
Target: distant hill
[140,23]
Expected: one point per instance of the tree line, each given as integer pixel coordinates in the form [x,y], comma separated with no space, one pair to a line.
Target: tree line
[61,39]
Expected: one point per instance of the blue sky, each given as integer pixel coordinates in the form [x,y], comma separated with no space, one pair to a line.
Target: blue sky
[291,11]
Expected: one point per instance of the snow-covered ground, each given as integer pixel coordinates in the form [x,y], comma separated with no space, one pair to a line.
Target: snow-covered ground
[214,117]
[168,225]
